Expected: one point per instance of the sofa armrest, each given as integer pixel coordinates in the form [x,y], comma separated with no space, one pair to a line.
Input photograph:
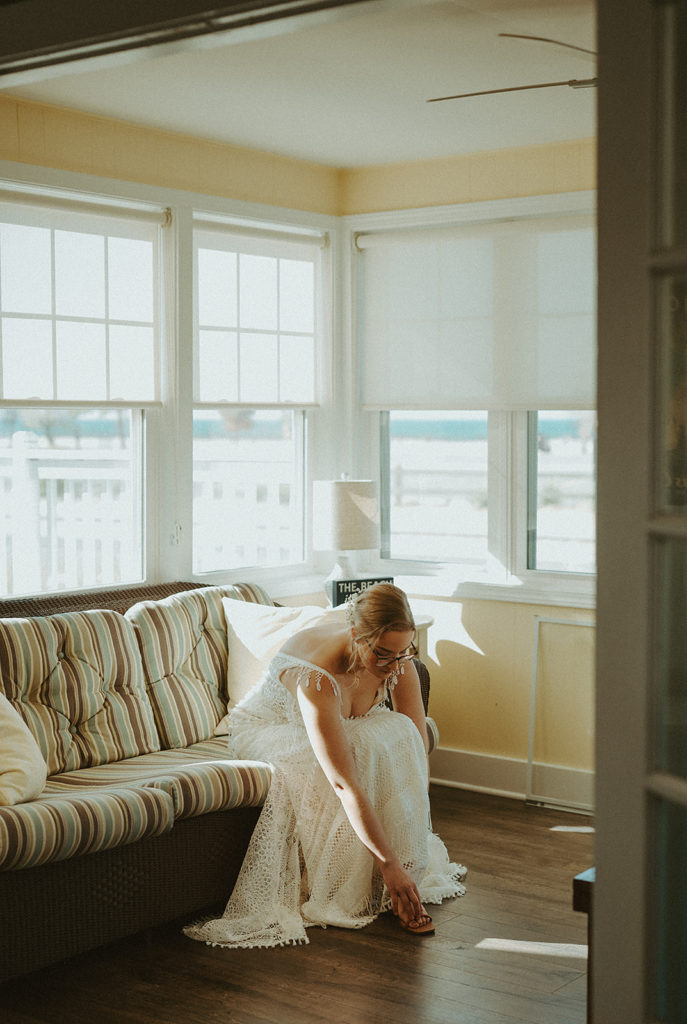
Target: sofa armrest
[432,734]
[423,673]
[432,730]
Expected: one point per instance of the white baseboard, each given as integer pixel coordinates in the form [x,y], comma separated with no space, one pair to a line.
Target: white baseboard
[553,785]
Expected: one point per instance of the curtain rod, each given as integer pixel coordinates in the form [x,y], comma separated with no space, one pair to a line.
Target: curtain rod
[375,239]
[42,199]
[315,241]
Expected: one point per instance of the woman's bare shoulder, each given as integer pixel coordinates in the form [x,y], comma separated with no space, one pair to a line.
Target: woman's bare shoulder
[321,645]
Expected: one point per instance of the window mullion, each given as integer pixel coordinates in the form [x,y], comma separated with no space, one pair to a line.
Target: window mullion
[140,477]
[531,468]
[170,496]
[519,505]
[106,294]
[384,487]
[499,490]
[53,310]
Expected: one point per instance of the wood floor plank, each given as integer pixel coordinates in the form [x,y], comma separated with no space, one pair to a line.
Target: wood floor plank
[519,893]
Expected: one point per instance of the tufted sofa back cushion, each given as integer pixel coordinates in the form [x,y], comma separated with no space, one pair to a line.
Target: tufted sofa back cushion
[77,681]
[183,643]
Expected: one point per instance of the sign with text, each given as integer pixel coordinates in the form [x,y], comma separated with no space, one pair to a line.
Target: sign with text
[342,589]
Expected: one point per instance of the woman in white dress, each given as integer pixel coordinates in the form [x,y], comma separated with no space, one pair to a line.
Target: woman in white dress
[345,832]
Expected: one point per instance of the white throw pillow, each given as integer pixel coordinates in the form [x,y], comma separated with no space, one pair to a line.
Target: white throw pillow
[22,769]
[255,632]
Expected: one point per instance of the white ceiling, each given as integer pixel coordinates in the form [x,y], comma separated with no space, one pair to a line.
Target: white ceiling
[350,89]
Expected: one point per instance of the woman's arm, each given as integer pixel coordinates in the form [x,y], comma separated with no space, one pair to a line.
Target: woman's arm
[321,712]
[406,697]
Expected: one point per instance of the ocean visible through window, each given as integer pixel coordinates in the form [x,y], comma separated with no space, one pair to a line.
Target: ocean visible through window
[439,489]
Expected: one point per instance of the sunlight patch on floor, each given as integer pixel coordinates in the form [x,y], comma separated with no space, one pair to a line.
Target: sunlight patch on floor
[534,948]
[587,829]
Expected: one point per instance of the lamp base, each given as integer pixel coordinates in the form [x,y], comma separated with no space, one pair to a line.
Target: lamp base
[341,570]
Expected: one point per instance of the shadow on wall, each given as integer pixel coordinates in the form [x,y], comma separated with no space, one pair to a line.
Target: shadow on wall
[481,657]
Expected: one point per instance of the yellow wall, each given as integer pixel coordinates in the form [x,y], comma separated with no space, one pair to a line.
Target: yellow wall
[505,174]
[481,656]
[480,652]
[47,136]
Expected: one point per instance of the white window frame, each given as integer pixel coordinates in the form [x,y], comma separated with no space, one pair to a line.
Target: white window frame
[507,577]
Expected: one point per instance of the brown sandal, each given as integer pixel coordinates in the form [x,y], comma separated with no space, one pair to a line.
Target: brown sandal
[421,929]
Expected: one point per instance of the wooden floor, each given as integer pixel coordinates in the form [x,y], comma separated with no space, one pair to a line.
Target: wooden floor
[510,950]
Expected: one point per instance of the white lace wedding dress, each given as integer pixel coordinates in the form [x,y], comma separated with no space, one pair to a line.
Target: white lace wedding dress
[305,865]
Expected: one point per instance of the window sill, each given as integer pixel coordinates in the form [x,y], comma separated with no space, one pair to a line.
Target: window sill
[551,590]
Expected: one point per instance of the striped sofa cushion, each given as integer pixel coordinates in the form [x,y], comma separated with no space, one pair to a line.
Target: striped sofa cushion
[250,592]
[77,680]
[199,779]
[56,827]
[183,642]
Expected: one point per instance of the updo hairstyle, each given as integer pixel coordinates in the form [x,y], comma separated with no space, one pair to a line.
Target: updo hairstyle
[375,611]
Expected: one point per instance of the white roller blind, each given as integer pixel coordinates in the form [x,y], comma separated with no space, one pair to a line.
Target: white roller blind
[79,307]
[256,317]
[488,316]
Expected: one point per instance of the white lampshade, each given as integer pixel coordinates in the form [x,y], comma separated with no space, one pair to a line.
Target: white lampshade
[345,515]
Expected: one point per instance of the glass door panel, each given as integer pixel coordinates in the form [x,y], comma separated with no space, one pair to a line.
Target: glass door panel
[671,435]
[669,747]
[672,140]
[667,893]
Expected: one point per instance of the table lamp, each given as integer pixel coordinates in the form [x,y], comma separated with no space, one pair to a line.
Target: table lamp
[345,519]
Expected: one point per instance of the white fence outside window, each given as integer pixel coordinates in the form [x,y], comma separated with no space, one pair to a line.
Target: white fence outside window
[243,514]
[69,517]
[65,518]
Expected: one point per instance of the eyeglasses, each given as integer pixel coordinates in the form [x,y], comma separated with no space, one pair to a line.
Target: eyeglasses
[383,659]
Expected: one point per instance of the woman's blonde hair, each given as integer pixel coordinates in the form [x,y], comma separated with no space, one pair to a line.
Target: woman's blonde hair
[380,608]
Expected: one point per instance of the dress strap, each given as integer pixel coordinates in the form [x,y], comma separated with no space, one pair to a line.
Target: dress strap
[308,672]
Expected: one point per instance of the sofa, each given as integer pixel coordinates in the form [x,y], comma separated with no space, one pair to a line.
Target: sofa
[119,807]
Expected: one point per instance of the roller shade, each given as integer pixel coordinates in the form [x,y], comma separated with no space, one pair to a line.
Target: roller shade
[487,316]
[79,304]
[257,302]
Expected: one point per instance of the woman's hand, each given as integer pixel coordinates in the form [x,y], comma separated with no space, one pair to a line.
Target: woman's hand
[405,899]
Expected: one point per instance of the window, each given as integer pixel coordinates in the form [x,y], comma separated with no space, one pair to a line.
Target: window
[450,489]
[477,350]
[562,491]
[437,506]
[79,361]
[70,506]
[255,374]
[247,487]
